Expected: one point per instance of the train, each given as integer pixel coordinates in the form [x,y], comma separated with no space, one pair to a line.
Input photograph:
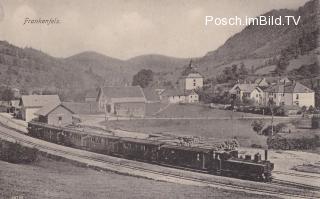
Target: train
[225,161]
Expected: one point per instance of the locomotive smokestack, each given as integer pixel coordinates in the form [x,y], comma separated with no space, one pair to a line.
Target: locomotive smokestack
[266,154]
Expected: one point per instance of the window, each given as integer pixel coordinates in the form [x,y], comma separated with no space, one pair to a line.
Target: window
[297,96]
[275,95]
[194,80]
[60,118]
[198,157]
[194,84]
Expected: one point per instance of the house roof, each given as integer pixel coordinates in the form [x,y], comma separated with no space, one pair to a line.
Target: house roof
[92,93]
[243,87]
[114,92]
[194,75]
[39,100]
[290,87]
[48,108]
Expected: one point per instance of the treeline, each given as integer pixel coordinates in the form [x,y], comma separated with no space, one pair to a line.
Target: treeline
[285,143]
[306,43]
[233,73]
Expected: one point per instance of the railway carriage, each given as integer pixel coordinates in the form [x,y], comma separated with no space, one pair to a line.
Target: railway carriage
[221,161]
[146,150]
[104,144]
[191,157]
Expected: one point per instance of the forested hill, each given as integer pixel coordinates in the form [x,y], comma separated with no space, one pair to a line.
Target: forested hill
[262,46]
[258,50]
[31,69]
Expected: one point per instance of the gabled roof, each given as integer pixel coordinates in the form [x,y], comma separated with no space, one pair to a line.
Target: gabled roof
[48,108]
[128,92]
[193,75]
[243,87]
[38,100]
[290,87]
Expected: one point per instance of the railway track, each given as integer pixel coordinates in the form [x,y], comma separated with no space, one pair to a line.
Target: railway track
[296,185]
[205,182]
[296,174]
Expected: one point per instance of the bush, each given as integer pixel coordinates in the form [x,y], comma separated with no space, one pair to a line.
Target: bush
[279,142]
[257,126]
[16,153]
[276,129]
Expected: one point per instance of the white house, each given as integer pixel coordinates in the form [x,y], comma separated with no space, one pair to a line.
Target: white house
[192,81]
[248,91]
[177,96]
[291,93]
[30,104]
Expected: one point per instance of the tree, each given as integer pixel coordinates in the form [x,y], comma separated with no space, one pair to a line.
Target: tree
[282,63]
[7,95]
[143,78]
[257,126]
[271,105]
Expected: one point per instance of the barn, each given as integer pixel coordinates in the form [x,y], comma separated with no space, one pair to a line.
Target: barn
[55,114]
[30,104]
[127,101]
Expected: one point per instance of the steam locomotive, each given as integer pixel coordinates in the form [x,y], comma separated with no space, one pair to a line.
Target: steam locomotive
[224,162]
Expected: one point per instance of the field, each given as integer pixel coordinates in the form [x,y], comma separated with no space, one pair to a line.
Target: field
[240,128]
[53,179]
[196,120]
[194,111]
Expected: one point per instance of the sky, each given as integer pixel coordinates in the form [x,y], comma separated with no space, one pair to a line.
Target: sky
[127,28]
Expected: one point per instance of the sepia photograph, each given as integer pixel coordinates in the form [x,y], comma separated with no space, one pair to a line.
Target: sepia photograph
[159,99]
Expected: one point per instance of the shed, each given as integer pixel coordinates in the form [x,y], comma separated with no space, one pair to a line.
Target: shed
[122,101]
[30,104]
[55,114]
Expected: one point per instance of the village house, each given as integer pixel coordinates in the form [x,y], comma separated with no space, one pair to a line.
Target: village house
[30,104]
[186,92]
[290,93]
[192,81]
[55,114]
[178,96]
[128,101]
[248,91]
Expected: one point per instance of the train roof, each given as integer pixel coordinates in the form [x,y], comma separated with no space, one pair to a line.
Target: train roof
[186,148]
[141,141]
[243,161]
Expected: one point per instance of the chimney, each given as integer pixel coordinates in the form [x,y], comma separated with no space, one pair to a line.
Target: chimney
[266,154]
